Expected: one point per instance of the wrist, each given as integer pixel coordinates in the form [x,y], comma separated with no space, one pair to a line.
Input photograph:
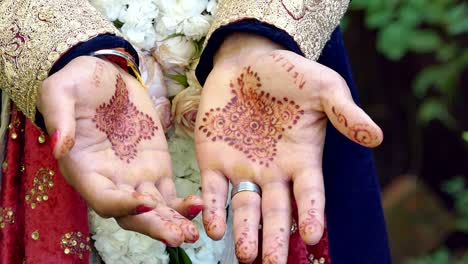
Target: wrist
[238,47]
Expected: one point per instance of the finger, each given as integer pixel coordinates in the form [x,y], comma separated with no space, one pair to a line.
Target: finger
[246,208]
[167,188]
[189,207]
[58,110]
[309,193]
[154,225]
[189,230]
[110,200]
[348,118]
[277,219]
[214,193]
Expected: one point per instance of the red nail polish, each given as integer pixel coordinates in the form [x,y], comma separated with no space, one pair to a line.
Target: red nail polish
[54,138]
[141,209]
[194,210]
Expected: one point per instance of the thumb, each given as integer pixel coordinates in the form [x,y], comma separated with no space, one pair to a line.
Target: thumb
[350,119]
[58,110]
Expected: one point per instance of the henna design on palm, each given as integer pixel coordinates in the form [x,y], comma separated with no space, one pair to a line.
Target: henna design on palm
[253,121]
[124,125]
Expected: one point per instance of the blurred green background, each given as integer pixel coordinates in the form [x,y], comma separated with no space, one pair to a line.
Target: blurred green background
[410,63]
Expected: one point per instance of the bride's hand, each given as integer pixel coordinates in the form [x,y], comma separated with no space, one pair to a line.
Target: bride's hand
[111,148]
[262,118]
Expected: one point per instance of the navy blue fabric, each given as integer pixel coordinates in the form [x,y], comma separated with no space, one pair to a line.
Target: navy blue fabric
[245,26]
[356,224]
[106,41]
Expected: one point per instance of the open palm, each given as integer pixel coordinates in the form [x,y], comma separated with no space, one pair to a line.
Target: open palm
[111,148]
[263,120]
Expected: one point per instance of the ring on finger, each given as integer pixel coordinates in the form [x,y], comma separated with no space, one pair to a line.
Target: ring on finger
[246,186]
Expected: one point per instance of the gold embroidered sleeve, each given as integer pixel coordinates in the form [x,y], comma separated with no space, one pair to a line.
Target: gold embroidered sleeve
[33,35]
[309,22]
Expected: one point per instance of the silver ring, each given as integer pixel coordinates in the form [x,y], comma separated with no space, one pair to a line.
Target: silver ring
[246,186]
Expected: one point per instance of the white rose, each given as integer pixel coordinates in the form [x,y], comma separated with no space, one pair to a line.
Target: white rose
[109,8]
[196,27]
[175,52]
[212,7]
[138,17]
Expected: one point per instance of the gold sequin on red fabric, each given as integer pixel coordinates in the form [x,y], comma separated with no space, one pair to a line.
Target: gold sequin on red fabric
[75,243]
[43,183]
[313,260]
[7,216]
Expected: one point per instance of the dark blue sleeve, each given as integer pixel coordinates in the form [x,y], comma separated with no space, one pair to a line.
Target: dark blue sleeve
[246,26]
[355,220]
[106,41]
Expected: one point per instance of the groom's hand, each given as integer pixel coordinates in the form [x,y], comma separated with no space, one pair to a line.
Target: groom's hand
[111,148]
[262,118]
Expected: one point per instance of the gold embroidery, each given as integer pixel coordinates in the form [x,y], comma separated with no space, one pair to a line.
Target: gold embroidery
[33,35]
[75,243]
[313,260]
[35,235]
[41,139]
[4,166]
[6,216]
[43,182]
[309,22]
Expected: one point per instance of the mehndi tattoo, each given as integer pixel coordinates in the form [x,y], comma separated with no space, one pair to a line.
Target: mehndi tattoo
[253,121]
[310,225]
[299,78]
[361,133]
[124,125]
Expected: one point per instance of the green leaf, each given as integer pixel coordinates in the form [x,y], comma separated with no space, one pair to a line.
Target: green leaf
[177,256]
[457,19]
[179,78]
[454,186]
[175,35]
[379,19]
[434,109]
[118,24]
[424,41]
[465,136]
[392,41]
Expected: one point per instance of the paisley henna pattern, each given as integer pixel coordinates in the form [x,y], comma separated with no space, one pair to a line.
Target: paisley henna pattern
[253,121]
[124,125]
[361,133]
[272,255]
[245,248]
[310,224]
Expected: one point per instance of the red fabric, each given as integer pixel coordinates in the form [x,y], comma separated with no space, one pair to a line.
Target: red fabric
[36,234]
[299,252]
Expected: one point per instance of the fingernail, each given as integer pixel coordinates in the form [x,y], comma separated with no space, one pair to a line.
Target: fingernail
[54,138]
[141,209]
[194,210]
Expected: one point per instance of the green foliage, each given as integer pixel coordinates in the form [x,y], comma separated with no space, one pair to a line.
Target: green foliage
[423,27]
[465,136]
[177,256]
[458,189]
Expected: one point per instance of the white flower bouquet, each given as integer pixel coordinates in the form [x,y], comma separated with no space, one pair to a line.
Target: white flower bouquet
[168,36]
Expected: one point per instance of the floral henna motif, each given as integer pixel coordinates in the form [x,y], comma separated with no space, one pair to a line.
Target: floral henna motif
[272,256]
[253,121]
[359,132]
[124,125]
[245,248]
[310,224]
[210,222]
